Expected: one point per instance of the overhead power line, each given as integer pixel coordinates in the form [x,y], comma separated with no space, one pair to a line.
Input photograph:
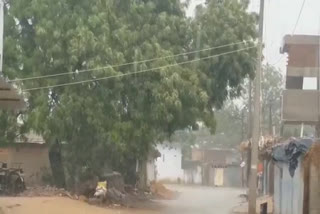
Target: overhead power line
[293,31]
[132,73]
[125,64]
[298,19]
[278,60]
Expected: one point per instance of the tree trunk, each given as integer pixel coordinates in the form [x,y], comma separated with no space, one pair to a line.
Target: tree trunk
[55,158]
[142,182]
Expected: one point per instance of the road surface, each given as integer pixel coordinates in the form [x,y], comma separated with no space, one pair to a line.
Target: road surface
[203,200]
[192,200]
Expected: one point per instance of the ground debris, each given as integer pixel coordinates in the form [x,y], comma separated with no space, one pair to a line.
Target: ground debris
[159,191]
[46,191]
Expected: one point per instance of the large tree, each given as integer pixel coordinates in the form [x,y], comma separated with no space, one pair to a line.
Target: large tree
[115,122]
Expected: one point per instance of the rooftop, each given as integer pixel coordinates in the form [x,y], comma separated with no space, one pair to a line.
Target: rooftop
[31,138]
[299,40]
[9,97]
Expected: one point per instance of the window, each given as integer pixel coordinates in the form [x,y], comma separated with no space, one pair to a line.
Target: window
[309,83]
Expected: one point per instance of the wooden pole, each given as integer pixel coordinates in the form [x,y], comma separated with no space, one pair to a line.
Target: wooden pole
[256,120]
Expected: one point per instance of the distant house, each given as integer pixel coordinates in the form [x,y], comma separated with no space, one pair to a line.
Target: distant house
[211,167]
[32,155]
[192,171]
[219,167]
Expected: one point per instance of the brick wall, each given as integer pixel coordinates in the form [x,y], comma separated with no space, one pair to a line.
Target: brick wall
[303,55]
[34,160]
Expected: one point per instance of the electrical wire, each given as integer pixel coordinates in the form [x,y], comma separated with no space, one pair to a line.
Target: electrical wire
[125,64]
[301,9]
[293,31]
[278,60]
[132,73]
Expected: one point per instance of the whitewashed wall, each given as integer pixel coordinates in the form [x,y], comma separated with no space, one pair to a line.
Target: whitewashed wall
[151,171]
[168,166]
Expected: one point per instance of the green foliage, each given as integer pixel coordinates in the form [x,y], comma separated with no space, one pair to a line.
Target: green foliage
[233,119]
[232,125]
[271,86]
[9,128]
[220,23]
[115,122]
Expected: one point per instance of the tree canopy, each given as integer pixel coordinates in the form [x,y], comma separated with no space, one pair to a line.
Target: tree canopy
[116,121]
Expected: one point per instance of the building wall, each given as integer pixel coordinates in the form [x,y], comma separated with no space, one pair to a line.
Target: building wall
[232,177]
[197,155]
[217,156]
[305,55]
[288,191]
[169,164]
[34,160]
[193,176]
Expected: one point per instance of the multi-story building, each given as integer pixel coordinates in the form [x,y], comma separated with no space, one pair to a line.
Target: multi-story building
[301,96]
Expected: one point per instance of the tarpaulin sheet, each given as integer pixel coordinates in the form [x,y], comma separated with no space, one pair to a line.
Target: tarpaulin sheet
[290,152]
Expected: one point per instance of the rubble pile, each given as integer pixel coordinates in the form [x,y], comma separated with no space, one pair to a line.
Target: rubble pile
[161,192]
[46,191]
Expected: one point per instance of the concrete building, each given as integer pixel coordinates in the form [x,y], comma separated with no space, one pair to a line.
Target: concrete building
[300,100]
[301,105]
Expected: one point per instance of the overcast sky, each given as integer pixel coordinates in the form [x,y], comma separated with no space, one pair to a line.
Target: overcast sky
[280,19]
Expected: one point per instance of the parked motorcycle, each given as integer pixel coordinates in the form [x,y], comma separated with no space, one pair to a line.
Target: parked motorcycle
[11,180]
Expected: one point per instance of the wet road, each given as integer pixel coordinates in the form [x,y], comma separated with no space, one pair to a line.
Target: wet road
[203,200]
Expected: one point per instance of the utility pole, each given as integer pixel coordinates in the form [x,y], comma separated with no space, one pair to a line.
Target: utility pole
[1,33]
[270,118]
[256,120]
[250,109]
[249,131]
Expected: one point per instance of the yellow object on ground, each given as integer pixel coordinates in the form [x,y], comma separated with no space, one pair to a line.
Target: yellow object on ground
[102,185]
[101,189]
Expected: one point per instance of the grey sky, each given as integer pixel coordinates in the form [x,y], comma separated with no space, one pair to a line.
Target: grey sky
[280,19]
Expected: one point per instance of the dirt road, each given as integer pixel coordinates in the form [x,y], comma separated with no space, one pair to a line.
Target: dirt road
[192,200]
[55,205]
